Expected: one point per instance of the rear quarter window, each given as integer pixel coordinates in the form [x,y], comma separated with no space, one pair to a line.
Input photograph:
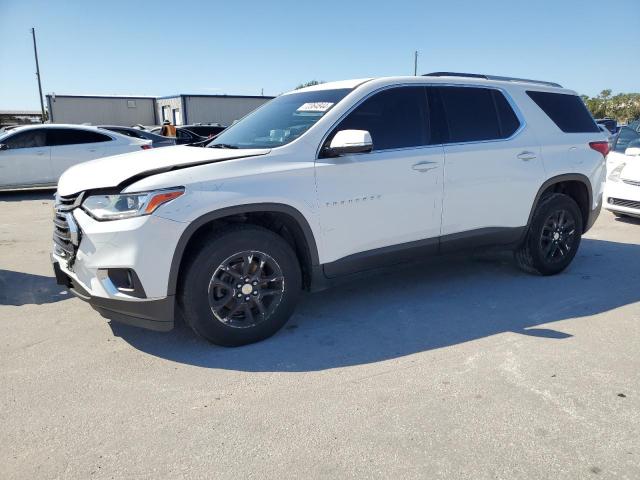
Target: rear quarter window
[568,112]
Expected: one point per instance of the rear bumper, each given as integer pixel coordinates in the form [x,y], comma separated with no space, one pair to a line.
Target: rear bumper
[156,314]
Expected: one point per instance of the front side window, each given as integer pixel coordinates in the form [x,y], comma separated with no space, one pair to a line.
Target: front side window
[57,137]
[280,121]
[395,118]
[30,139]
[477,114]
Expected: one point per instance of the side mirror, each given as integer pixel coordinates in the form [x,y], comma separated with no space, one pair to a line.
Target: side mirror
[350,141]
[4,146]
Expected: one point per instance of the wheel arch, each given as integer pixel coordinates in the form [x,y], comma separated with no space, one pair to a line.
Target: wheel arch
[303,240]
[575,185]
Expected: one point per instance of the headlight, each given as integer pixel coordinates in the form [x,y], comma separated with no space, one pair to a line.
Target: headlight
[614,176]
[128,205]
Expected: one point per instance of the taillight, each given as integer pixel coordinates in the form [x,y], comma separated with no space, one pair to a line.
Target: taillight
[145,147]
[602,147]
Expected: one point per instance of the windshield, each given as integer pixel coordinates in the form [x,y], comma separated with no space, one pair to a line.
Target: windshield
[279,121]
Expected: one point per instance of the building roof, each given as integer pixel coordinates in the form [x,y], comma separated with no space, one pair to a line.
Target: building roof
[212,95]
[100,96]
[20,112]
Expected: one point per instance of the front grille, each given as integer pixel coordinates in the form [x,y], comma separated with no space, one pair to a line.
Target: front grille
[632,182]
[624,203]
[65,232]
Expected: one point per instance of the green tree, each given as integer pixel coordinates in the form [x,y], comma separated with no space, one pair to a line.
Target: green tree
[624,107]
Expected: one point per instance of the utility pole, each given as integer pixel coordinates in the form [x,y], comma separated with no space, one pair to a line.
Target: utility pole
[35,51]
[415,63]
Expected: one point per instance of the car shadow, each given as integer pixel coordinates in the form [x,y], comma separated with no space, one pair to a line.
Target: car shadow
[629,220]
[27,195]
[18,288]
[441,302]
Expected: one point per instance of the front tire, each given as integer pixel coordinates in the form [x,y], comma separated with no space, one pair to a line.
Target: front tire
[553,237]
[240,286]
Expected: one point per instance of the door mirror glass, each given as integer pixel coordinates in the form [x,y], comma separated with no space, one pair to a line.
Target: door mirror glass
[4,146]
[350,141]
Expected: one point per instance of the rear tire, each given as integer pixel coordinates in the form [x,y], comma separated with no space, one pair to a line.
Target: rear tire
[553,237]
[240,286]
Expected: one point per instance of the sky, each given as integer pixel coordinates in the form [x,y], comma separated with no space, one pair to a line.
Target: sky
[245,47]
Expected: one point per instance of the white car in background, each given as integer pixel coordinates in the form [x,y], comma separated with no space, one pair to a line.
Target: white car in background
[36,155]
[622,191]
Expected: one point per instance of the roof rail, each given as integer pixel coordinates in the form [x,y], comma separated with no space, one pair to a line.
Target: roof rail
[491,77]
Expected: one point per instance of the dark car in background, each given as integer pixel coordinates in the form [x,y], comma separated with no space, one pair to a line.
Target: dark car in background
[183,135]
[156,140]
[610,123]
[206,130]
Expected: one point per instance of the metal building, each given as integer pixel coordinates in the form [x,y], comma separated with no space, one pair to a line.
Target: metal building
[101,109]
[124,110]
[184,109]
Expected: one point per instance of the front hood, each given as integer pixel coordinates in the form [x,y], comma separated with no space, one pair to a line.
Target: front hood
[119,170]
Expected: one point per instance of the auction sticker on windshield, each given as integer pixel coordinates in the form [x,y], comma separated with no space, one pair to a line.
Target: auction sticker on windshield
[315,107]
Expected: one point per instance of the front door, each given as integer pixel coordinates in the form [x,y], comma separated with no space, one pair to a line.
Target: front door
[390,197]
[25,161]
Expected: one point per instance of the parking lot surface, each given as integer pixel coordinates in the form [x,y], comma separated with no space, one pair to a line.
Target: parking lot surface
[461,367]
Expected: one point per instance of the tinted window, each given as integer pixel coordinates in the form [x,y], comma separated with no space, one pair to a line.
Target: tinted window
[509,123]
[395,118]
[476,114]
[624,138]
[568,112]
[28,139]
[69,136]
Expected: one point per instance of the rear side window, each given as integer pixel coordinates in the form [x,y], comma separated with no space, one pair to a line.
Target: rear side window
[477,114]
[568,112]
[69,136]
[29,139]
[395,118]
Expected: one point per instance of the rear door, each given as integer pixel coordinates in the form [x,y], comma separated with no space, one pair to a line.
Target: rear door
[70,146]
[390,196]
[493,166]
[26,160]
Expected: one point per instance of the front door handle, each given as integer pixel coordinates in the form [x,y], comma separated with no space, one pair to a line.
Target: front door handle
[526,156]
[424,166]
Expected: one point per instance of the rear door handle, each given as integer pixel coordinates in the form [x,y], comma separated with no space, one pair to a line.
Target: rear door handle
[424,166]
[526,156]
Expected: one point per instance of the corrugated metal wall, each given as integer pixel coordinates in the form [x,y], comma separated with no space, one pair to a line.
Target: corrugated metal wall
[101,110]
[222,110]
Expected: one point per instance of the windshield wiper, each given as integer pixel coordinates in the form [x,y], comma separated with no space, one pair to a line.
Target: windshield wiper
[223,145]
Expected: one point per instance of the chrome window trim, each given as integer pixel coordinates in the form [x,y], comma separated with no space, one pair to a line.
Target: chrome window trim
[504,92]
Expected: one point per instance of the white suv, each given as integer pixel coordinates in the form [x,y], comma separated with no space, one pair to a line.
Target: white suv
[324,182]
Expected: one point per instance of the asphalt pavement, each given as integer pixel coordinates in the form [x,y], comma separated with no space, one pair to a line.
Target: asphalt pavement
[459,367]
